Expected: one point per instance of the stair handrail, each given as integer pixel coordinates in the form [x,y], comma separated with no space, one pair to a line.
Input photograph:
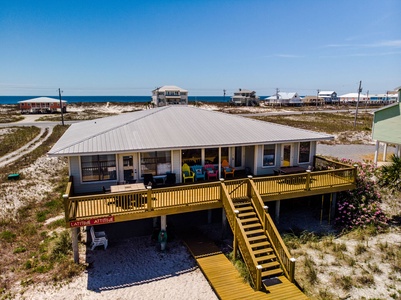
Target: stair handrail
[279,247]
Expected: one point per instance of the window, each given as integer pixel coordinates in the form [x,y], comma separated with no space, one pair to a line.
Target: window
[156,163]
[304,152]
[238,156]
[98,167]
[212,156]
[191,157]
[269,155]
[224,154]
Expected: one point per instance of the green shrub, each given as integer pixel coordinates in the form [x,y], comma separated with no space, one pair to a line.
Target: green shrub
[62,246]
[8,236]
[390,176]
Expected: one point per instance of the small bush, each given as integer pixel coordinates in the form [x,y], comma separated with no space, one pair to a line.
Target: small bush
[62,246]
[360,248]
[8,236]
[20,249]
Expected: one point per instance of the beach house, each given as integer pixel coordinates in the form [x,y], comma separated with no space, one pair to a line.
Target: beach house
[328,96]
[42,105]
[387,128]
[282,98]
[178,159]
[352,98]
[169,95]
[244,97]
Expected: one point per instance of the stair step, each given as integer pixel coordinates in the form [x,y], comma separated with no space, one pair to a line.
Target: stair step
[251,226]
[255,231]
[269,265]
[246,214]
[265,258]
[264,244]
[261,237]
[249,220]
[245,207]
[271,273]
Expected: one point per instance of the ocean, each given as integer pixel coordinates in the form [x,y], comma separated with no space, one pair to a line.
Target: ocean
[126,99]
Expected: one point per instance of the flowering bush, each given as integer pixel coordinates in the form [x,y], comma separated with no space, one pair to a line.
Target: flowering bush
[361,207]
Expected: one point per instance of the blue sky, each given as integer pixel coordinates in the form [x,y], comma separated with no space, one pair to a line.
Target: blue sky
[131,47]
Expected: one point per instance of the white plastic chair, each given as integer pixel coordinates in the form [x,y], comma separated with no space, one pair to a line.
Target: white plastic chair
[99,238]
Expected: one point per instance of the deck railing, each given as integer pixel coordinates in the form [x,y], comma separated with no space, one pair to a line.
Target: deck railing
[106,204]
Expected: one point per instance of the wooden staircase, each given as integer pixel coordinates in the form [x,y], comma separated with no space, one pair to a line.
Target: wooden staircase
[260,247]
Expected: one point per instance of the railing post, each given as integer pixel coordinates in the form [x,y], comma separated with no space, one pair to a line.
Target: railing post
[308,180]
[266,209]
[258,284]
[66,207]
[249,187]
[235,239]
[221,188]
[355,172]
[149,197]
[292,269]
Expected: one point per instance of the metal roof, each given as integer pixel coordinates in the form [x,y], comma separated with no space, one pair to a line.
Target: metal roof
[41,100]
[173,127]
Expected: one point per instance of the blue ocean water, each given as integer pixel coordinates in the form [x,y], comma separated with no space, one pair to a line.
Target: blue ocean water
[126,99]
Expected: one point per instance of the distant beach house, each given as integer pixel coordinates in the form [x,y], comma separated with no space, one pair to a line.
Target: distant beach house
[389,97]
[328,96]
[42,105]
[245,97]
[387,128]
[353,98]
[169,95]
[282,98]
[159,141]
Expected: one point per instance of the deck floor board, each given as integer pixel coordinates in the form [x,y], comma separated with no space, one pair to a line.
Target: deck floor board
[225,279]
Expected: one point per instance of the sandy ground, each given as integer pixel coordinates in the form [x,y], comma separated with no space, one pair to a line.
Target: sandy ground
[135,268]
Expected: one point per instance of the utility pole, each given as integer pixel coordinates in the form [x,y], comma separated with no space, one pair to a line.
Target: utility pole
[224,93]
[61,107]
[277,95]
[357,102]
[317,97]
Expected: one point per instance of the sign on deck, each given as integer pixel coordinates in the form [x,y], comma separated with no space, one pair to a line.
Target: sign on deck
[91,222]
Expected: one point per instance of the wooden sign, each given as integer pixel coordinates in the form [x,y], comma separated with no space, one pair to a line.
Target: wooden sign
[91,222]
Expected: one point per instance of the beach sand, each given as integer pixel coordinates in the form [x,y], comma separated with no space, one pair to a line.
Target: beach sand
[133,268]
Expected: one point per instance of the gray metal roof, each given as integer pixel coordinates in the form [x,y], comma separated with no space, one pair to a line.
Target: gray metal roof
[173,127]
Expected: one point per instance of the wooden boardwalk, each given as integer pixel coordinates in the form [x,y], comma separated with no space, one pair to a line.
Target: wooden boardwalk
[226,280]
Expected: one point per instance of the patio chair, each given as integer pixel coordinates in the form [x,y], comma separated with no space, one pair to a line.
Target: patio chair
[227,169]
[199,172]
[99,238]
[187,173]
[211,171]
[149,180]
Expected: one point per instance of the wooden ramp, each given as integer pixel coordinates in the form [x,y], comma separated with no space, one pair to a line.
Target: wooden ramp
[227,282]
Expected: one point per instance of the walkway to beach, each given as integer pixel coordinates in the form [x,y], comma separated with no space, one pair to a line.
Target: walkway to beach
[226,280]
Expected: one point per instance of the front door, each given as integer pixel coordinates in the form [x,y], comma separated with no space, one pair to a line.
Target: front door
[286,155]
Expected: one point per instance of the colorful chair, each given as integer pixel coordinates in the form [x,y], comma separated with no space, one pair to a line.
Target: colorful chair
[199,172]
[187,173]
[211,171]
[227,169]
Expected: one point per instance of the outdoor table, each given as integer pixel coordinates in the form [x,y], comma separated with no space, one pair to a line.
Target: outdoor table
[127,187]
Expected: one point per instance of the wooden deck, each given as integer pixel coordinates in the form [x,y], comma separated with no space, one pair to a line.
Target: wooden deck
[134,205]
[227,282]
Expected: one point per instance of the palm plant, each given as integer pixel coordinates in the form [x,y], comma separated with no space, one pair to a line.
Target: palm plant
[390,175]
